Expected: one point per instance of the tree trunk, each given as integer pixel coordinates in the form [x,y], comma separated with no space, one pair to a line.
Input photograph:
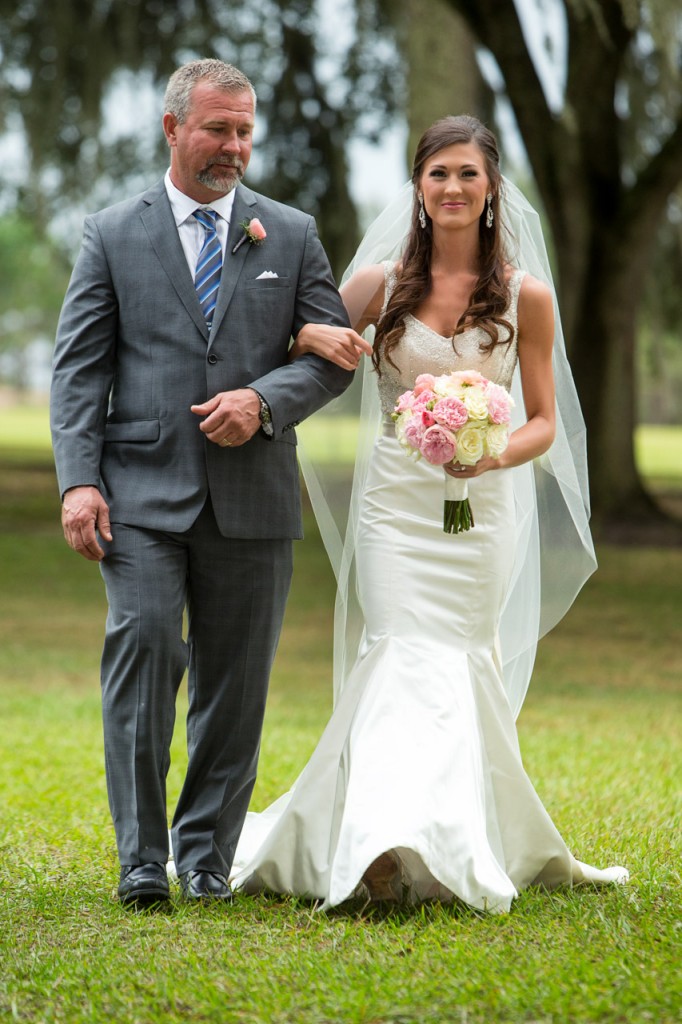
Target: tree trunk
[603,235]
[444,77]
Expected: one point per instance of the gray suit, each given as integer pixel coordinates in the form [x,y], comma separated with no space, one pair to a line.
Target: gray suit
[195,526]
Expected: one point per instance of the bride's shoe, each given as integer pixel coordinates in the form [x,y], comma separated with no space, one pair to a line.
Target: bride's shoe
[383,879]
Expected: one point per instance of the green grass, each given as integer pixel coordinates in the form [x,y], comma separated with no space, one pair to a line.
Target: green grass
[658,451]
[600,737]
[25,429]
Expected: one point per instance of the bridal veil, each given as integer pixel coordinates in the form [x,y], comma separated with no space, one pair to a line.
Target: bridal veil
[554,552]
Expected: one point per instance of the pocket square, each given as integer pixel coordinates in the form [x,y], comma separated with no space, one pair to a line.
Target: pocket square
[266,273]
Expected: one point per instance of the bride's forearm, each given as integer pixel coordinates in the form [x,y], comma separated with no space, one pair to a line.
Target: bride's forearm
[532,439]
[340,345]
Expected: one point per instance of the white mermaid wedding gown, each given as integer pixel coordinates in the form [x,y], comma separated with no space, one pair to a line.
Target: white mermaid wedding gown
[420,756]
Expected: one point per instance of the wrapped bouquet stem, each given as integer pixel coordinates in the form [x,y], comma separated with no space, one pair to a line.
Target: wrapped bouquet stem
[456,418]
[457,514]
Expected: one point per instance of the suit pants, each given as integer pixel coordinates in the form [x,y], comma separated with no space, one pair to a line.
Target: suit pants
[234,592]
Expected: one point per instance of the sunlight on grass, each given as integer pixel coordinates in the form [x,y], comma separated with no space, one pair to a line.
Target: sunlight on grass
[659,452]
[25,426]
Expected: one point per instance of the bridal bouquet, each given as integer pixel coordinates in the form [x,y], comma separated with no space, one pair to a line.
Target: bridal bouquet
[458,417]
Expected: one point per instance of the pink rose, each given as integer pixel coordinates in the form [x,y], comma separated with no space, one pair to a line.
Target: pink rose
[256,230]
[499,406]
[424,382]
[450,412]
[428,419]
[438,445]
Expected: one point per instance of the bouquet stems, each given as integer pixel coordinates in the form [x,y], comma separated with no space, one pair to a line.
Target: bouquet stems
[457,514]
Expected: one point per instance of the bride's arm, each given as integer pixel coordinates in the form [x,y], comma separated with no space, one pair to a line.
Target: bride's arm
[536,341]
[535,344]
[363,297]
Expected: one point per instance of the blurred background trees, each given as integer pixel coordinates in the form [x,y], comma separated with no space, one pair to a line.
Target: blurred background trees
[586,97]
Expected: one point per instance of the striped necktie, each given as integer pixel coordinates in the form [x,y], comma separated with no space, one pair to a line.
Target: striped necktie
[209,265]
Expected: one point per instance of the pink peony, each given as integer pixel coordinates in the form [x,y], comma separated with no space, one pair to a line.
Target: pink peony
[404,402]
[422,399]
[469,377]
[499,406]
[450,412]
[414,431]
[424,382]
[438,445]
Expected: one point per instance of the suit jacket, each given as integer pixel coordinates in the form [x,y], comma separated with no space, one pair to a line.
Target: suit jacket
[133,354]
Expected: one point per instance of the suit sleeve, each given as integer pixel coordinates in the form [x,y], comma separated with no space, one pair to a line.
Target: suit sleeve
[83,366]
[298,389]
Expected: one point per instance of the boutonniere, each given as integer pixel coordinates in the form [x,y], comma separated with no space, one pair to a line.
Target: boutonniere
[254,231]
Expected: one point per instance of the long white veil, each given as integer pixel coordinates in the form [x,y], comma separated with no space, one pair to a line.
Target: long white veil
[554,550]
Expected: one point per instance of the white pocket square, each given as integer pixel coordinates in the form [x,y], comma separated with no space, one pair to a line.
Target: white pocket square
[267,273]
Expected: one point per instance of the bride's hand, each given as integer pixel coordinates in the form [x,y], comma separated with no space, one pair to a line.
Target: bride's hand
[340,345]
[461,472]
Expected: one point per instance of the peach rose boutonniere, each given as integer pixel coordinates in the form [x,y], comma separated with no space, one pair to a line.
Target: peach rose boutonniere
[253,231]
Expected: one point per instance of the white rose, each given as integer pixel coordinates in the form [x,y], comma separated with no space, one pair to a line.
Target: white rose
[442,386]
[496,439]
[476,403]
[470,444]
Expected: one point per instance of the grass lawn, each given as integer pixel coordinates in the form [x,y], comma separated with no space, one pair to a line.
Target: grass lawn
[600,734]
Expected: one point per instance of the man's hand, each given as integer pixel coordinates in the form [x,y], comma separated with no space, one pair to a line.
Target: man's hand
[84,511]
[232,417]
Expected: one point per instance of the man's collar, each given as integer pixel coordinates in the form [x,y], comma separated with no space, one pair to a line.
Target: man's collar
[183,206]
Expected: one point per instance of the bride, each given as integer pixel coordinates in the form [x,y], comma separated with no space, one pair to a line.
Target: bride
[416,789]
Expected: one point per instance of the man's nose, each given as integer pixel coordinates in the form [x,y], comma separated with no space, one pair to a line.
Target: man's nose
[230,143]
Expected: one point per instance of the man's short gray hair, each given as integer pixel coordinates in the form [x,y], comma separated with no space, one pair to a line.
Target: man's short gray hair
[178,96]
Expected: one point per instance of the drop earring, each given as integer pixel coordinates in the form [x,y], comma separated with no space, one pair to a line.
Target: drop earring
[422,215]
[490,216]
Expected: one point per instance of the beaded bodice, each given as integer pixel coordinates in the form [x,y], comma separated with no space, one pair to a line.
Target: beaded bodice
[423,350]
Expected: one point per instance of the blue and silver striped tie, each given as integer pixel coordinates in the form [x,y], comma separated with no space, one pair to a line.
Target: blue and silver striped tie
[209,265]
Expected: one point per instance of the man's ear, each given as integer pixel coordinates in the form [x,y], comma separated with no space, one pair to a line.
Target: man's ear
[170,123]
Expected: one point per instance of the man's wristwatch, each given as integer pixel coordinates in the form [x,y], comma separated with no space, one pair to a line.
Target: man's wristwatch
[265,415]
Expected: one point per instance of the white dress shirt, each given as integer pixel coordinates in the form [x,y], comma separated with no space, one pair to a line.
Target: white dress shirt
[189,229]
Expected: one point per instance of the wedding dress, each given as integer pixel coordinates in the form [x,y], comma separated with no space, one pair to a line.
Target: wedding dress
[420,756]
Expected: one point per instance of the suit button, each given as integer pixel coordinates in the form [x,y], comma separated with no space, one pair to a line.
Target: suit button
[213,359]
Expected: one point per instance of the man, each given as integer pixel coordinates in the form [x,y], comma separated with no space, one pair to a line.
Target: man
[173,408]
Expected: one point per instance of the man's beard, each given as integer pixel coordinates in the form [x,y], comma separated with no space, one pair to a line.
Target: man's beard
[218,182]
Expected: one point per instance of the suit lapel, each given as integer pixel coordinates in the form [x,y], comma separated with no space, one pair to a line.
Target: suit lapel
[159,222]
[233,263]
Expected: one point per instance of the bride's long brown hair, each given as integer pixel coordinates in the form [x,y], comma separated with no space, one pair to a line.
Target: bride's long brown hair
[490,296]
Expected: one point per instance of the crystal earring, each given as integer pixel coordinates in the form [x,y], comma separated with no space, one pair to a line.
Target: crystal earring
[489,217]
[422,215]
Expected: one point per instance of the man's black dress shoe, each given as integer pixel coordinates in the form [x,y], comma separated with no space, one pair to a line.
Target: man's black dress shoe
[205,885]
[143,885]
